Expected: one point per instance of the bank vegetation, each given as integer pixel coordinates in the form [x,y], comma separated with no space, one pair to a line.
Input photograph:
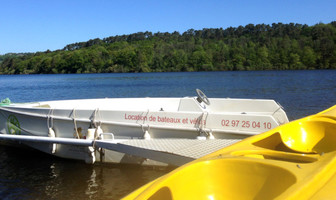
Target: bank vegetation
[251,47]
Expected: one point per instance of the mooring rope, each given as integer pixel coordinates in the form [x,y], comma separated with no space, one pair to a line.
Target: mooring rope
[50,119]
[75,123]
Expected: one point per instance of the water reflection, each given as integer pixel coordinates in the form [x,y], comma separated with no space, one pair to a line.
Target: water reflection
[28,174]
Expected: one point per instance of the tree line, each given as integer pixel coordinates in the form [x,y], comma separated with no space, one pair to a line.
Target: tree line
[252,47]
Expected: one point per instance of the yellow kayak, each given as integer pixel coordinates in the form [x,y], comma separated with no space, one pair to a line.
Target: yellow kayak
[293,161]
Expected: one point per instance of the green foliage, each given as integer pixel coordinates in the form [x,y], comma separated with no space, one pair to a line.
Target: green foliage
[253,47]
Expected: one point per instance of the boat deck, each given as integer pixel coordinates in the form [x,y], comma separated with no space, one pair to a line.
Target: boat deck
[171,151]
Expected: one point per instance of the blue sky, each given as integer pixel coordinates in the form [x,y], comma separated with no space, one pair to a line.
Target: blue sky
[38,25]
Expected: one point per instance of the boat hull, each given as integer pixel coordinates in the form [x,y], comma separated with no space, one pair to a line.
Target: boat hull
[140,118]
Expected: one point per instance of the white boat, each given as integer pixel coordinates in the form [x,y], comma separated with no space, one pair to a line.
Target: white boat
[111,129]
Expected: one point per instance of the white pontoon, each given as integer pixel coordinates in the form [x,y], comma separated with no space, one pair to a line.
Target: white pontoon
[137,130]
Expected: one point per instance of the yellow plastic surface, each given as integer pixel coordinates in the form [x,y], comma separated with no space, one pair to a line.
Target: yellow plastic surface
[294,161]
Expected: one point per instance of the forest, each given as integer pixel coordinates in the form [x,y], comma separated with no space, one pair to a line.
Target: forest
[252,47]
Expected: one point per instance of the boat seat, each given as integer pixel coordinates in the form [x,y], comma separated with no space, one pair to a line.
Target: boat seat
[316,136]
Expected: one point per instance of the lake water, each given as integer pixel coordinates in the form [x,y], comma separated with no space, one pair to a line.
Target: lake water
[34,175]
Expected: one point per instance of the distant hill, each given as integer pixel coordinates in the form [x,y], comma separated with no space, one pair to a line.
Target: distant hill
[251,47]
